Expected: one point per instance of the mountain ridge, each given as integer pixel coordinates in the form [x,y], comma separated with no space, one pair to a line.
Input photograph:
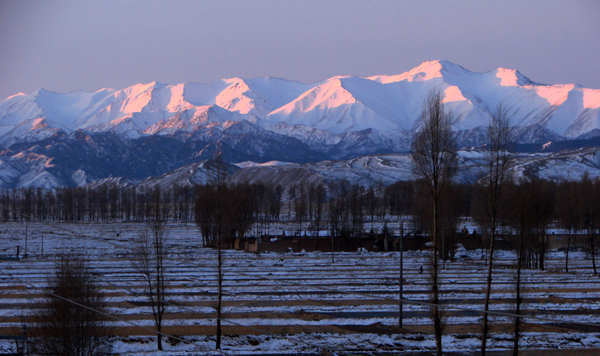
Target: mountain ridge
[339,104]
[154,128]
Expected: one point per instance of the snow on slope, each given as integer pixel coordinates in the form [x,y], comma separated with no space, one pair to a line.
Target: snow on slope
[34,170]
[247,164]
[559,166]
[59,110]
[345,104]
[8,174]
[258,96]
[32,130]
[152,107]
[40,179]
[187,176]
[366,171]
[337,105]
[369,171]
[156,104]
[473,96]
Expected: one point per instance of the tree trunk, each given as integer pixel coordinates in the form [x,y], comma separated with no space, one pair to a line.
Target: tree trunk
[517,312]
[437,319]
[401,284]
[332,247]
[219,295]
[542,249]
[518,299]
[568,247]
[488,291]
[159,337]
[159,295]
[385,241]
[593,247]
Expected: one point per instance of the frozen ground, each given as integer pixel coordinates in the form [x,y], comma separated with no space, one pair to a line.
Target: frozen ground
[302,303]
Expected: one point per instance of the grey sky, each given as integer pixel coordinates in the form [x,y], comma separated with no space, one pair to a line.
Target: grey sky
[69,45]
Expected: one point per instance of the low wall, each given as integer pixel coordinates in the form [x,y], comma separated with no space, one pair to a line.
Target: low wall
[376,243]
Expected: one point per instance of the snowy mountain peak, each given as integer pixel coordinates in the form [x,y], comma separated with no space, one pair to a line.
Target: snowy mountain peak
[439,68]
[327,106]
[238,97]
[512,77]
[137,89]
[425,71]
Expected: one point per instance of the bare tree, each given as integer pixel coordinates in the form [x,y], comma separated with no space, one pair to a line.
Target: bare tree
[518,296]
[590,190]
[435,161]
[220,175]
[529,214]
[498,159]
[522,219]
[569,214]
[68,322]
[148,260]
[318,195]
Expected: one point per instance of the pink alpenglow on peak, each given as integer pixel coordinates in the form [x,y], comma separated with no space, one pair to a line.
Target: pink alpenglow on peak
[339,105]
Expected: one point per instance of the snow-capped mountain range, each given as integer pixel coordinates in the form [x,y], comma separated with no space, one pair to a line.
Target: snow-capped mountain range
[150,129]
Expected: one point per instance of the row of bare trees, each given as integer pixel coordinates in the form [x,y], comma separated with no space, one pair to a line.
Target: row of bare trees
[528,206]
[524,213]
[305,202]
[104,203]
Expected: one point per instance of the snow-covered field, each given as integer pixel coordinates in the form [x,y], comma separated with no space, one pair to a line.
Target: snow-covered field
[302,303]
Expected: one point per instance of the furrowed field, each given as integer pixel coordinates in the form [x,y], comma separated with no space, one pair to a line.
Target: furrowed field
[302,303]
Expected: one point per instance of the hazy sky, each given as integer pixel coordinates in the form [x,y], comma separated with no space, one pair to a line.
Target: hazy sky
[69,45]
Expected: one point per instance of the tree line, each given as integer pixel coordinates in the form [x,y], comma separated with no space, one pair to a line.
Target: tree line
[530,206]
